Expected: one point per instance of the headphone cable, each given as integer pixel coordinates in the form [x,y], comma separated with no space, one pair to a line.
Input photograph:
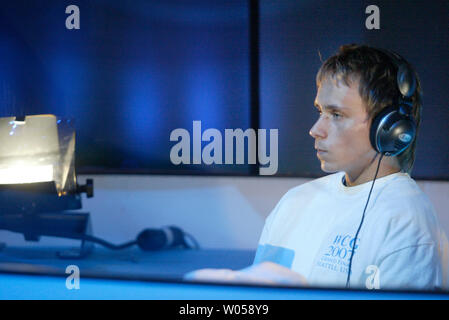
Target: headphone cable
[361,222]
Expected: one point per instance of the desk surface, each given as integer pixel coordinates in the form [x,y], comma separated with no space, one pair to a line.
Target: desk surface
[35,273]
[131,263]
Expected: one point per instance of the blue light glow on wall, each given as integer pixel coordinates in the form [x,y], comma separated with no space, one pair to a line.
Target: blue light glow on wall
[141,114]
[70,78]
[203,99]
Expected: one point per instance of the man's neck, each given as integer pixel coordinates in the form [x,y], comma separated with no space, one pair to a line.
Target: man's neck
[367,174]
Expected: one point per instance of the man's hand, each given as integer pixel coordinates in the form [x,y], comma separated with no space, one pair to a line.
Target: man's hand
[267,273]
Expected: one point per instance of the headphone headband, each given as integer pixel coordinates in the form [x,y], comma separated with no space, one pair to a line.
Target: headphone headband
[405,76]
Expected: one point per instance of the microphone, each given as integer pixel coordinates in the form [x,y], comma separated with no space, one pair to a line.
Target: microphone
[156,239]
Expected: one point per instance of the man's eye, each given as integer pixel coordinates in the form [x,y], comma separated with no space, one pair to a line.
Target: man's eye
[336,115]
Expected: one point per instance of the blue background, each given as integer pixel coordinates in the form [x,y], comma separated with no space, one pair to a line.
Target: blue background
[137,70]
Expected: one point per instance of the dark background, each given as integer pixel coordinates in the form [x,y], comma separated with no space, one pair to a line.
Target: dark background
[137,70]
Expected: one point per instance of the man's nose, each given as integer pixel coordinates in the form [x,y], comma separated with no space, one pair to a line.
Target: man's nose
[319,129]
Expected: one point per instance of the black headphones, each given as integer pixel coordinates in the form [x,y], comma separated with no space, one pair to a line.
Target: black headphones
[393,129]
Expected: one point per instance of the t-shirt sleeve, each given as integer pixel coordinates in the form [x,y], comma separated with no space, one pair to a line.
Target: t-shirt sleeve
[269,221]
[412,267]
[265,236]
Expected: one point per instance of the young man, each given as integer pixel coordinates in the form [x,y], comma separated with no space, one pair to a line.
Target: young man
[367,224]
[316,229]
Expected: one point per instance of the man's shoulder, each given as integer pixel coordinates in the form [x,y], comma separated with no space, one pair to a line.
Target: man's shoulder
[403,206]
[318,182]
[405,192]
[315,186]
[298,199]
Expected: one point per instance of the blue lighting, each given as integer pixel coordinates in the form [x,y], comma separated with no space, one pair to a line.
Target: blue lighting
[141,111]
[203,101]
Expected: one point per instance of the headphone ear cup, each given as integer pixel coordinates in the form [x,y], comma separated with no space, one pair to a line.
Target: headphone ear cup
[392,132]
[375,125]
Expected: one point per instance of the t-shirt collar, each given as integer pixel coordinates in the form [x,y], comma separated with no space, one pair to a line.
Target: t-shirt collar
[367,185]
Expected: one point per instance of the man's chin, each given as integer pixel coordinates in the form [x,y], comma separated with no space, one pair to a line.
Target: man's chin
[326,167]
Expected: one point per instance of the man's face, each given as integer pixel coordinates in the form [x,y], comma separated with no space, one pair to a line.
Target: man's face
[341,132]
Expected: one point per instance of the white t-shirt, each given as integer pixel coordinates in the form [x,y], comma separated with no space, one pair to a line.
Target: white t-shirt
[400,244]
